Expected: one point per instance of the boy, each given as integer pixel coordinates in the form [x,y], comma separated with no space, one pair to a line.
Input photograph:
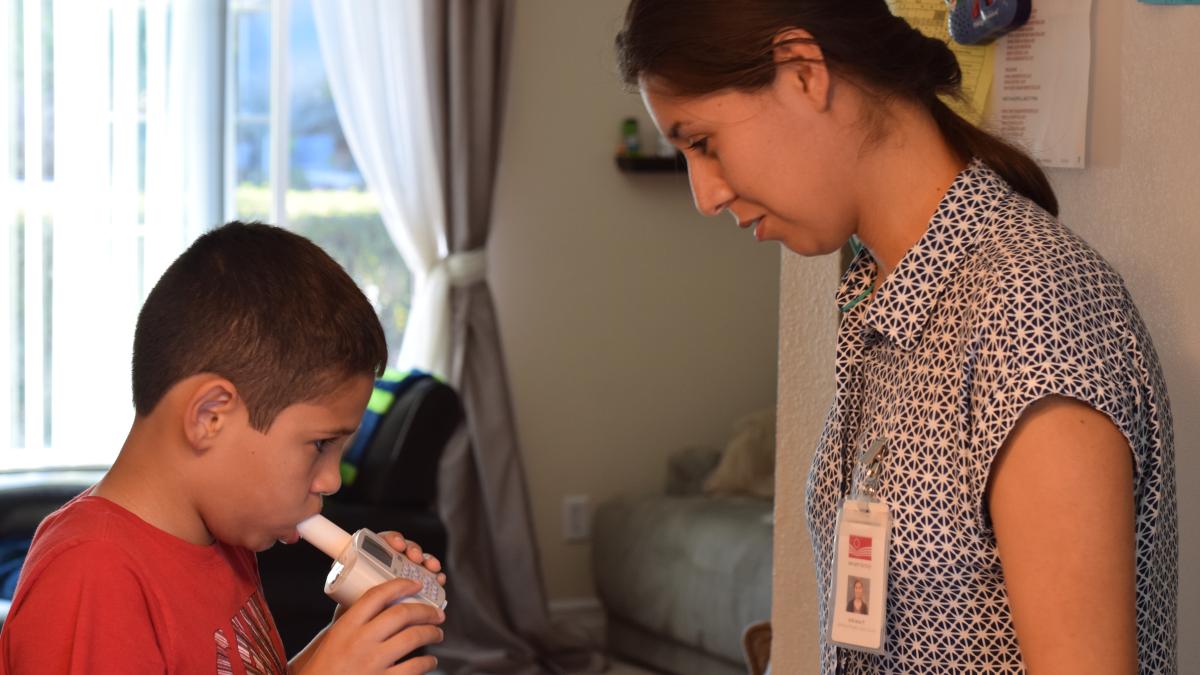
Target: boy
[253,360]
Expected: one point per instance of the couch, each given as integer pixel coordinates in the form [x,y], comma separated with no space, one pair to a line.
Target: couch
[682,574]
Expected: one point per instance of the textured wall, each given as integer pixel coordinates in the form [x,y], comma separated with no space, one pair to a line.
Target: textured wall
[808,323]
[632,325]
[1137,203]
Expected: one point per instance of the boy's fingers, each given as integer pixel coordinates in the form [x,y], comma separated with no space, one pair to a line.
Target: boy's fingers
[413,550]
[416,666]
[415,553]
[396,540]
[402,617]
[432,563]
[410,614]
[441,579]
[403,643]
[378,598]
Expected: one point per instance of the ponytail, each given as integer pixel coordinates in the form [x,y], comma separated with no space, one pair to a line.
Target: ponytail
[931,71]
[1013,165]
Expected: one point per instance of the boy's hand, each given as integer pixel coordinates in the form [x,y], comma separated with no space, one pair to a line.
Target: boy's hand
[413,550]
[373,634]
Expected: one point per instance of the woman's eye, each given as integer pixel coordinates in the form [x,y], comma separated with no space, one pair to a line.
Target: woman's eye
[322,444]
[699,145]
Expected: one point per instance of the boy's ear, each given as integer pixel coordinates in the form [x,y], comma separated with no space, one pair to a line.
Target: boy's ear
[799,58]
[210,410]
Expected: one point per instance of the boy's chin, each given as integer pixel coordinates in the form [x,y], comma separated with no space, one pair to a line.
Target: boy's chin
[263,545]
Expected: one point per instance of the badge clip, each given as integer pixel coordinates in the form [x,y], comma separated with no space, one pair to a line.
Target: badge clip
[871,464]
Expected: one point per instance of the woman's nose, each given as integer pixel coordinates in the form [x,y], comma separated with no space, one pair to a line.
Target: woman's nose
[709,190]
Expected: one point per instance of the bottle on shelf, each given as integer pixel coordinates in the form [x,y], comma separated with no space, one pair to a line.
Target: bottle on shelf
[631,145]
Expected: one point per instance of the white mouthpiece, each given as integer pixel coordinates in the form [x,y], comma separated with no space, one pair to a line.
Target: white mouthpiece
[320,532]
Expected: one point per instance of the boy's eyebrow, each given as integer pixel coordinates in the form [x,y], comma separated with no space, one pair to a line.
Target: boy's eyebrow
[676,131]
[344,431]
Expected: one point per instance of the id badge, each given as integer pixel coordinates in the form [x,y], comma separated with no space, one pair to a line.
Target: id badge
[860,573]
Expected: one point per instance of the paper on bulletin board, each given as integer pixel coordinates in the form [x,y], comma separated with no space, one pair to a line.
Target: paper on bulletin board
[976,62]
[1040,96]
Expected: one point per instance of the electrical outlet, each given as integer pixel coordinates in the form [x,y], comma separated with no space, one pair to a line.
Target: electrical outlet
[576,518]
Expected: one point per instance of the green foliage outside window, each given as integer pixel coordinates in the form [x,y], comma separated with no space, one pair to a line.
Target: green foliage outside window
[346,223]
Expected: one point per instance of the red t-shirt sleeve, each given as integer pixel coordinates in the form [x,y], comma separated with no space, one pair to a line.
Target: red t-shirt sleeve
[85,611]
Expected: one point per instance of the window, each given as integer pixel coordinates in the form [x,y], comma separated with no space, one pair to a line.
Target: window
[310,184]
[144,133]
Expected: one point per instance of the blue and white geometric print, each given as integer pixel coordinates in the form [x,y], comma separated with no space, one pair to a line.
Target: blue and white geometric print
[996,306]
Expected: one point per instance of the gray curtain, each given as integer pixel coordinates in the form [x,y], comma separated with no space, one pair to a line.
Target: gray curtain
[497,620]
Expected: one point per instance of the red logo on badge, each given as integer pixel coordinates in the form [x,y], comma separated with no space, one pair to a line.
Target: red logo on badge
[860,547]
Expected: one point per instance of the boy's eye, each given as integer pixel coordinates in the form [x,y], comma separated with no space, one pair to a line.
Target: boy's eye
[323,444]
[699,145]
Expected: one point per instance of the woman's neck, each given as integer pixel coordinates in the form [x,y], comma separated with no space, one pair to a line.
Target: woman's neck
[901,182]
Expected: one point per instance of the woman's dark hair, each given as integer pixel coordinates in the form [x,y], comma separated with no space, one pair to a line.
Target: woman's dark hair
[263,307]
[702,46]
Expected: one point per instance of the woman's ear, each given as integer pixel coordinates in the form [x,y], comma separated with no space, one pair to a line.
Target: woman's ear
[798,59]
[210,411]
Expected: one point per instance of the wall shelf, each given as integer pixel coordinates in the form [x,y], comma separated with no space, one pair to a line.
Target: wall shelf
[675,164]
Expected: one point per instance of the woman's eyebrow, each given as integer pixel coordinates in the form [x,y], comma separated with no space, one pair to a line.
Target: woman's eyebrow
[676,132]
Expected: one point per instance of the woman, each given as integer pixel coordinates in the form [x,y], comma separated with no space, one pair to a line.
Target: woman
[1029,457]
[857,603]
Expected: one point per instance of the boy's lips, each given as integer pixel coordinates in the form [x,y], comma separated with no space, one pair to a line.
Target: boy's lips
[293,534]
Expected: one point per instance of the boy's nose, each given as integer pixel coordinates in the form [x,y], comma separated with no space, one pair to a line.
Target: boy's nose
[709,190]
[329,478]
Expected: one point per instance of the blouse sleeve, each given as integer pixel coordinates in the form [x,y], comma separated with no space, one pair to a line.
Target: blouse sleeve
[1060,332]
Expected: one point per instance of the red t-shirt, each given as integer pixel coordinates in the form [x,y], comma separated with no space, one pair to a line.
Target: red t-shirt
[103,591]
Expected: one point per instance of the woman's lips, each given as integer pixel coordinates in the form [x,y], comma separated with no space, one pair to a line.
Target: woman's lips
[758,228]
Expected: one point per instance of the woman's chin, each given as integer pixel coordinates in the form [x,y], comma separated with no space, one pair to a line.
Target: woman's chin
[807,249]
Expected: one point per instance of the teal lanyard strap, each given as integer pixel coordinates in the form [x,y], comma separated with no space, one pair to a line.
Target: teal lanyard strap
[861,296]
[857,247]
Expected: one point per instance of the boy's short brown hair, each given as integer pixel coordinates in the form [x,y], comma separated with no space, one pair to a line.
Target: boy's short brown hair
[263,307]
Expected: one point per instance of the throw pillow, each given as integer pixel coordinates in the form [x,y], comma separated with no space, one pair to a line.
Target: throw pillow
[747,465]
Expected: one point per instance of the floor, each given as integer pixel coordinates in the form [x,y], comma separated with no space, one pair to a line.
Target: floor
[615,668]
[589,618]
[619,668]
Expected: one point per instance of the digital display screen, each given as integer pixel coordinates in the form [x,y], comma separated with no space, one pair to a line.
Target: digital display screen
[383,555]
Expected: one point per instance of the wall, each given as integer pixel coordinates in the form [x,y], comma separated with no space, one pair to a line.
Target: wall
[1137,203]
[632,326]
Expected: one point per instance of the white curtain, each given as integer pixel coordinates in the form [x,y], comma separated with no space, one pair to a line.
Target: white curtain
[135,139]
[374,58]
[395,68]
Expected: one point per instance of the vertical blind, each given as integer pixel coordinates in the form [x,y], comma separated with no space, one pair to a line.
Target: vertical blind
[102,109]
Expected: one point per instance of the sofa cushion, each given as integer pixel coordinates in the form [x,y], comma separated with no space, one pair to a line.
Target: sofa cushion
[695,570]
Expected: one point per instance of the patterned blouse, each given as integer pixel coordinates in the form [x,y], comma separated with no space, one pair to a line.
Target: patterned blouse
[996,306]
